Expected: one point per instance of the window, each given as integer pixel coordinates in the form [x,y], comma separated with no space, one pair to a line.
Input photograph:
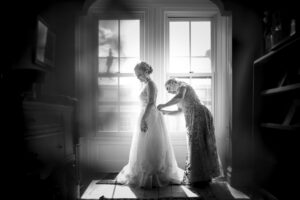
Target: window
[189,60]
[119,50]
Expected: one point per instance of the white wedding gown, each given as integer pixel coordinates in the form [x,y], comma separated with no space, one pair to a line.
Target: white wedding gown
[151,160]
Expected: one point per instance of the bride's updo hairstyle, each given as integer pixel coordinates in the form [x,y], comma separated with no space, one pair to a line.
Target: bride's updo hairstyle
[145,67]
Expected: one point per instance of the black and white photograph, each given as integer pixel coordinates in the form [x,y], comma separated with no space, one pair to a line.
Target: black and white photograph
[150,99]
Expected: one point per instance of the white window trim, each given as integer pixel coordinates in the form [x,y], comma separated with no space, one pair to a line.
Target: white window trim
[206,14]
[141,15]
[190,16]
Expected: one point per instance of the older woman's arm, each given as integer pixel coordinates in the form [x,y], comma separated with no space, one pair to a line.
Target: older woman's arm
[171,112]
[176,99]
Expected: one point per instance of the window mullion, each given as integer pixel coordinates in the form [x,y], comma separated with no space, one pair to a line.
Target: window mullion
[190,49]
[119,69]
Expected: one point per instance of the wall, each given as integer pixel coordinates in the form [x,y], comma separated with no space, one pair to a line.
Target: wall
[59,80]
[246,45]
[18,73]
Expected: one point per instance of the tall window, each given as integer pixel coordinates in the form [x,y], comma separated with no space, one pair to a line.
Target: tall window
[119,51]
[189,60]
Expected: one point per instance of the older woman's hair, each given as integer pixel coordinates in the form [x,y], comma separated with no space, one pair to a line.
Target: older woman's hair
[171,81]
[145,67]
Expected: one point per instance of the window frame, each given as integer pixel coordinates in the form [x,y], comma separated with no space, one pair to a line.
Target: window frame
[189,16]
[136,15]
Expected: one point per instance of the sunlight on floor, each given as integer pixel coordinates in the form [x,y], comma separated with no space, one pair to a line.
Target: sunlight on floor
[188,192]
[95,191]
[109,190]
[237,194]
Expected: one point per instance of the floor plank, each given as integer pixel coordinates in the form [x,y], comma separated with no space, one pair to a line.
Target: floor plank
[107,188]
[190,192]
[165,192]
[177,191]
[123,191]
[151,193]
[95,191]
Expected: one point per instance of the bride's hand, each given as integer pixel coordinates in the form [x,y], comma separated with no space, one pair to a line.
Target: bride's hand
[160,106]
[144,126]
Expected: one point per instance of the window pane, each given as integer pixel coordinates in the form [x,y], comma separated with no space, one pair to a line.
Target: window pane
[179,65]
[175,123]
[128,64]
[128,117]
[108,89]
[202,87]
[108,65]
[108,38]
[118,93]
[130,38]
[129,88]
[179,38]
[107,118]
[200,38]
[201,65]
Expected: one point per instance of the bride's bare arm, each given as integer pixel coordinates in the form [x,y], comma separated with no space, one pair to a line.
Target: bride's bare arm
[151,99]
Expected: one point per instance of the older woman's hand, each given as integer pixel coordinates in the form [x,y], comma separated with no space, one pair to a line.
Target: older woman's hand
[160,106]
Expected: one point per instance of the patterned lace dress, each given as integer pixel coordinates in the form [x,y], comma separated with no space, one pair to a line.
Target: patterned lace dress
[202,161]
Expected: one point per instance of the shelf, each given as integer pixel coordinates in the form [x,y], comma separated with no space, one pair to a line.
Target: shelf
[277,48]
[280,126]
[284,42]
[282,89]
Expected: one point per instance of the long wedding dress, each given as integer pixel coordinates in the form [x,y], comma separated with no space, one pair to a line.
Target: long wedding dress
[151,160]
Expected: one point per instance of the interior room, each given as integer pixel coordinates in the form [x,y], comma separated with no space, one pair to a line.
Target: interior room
[70,95]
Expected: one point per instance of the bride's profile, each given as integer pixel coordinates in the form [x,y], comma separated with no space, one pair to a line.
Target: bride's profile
[151,159]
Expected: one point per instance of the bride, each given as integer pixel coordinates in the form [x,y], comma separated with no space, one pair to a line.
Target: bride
[151,160]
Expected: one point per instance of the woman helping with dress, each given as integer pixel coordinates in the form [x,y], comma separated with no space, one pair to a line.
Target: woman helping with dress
[152,161]
[202,162]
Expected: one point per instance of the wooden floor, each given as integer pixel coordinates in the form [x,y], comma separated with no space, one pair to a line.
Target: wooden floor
[106,189]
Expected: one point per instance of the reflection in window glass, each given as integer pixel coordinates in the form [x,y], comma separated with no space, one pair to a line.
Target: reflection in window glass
[108,38]
[108,65]
[119,51]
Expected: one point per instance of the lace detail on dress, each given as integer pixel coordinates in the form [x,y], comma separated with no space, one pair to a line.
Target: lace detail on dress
[203,163]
